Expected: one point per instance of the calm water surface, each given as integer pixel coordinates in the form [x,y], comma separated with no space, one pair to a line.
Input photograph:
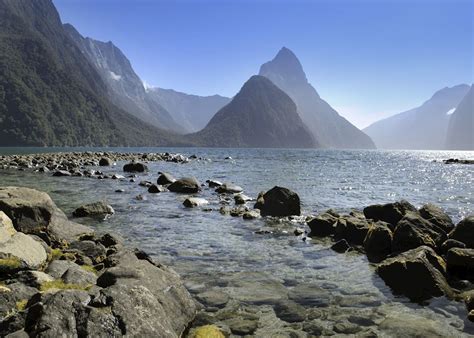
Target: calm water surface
[216,252]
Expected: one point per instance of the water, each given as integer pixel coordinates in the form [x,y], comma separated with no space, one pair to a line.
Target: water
[224,254]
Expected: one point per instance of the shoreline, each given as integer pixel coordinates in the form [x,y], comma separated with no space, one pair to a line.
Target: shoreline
[351,227]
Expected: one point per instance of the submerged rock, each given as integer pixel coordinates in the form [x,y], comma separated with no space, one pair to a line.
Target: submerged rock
[186,185]
[155,189]
[229,188]
[93,209]
[193,202]
[241,199]
[417,274]
[213,183]
[279,202]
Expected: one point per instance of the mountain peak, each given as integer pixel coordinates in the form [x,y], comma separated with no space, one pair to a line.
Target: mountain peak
[286,65]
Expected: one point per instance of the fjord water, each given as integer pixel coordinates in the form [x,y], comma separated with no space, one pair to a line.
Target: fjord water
[223,253]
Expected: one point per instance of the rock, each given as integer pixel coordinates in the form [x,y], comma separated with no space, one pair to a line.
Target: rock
[213,299]
[213,183]
[30,210]
[22,250]
[352,229]
[241,199]
[229,188]
[206,331]
[57,268]
[145,184]
[461,262]
[378,242]
[451,243]
[59,173]
[135,167]
[193,202]
[341,246]
[417,274]
[437,216]
[93,209]
[155,189]
[162,306]
[35,278]
[298,232]
[310,296]
[118,177]
[242,327]
[413,231]
[391,213]
[95,251]
[463,232]
[290,312]
[78,275]
[186,185]
[251,214]
[165,179]
[105,162]
[279,202]
[470,316]
[6,227]
[322,225]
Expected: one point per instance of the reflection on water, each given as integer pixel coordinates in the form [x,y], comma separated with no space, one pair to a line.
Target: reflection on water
[223,254]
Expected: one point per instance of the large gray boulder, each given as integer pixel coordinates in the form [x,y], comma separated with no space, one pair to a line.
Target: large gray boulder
[464,231]
[391,212]
[418,274]
[413,231]
[279,202]
[185,185]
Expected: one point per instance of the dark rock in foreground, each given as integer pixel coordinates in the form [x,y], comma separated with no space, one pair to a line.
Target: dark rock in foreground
[86,285]
[418,274]
[279,202]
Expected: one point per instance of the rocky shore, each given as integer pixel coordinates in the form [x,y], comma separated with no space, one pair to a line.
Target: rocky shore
[60,278]
[418,253]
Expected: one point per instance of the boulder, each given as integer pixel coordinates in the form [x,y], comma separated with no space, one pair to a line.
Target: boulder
[391,213]
[413,231]
[135,167]
[451,243]
[463,232]
[351,229]
[378,242]
[162,307]
[165,179]
[155,189]
[417,274]
[105,162]
[25,249]
[213,183]
[241,199]
[279,202]
[30,210]
[186,185]
[251,214]
[6,227]
[341,246]
[95,251]
[461,262]
[229,188]
[437,216]
[193,202]
[322,225]
[93,209]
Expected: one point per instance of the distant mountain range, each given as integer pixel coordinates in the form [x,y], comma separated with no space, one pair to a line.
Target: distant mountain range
[329,128]
[424,127]
[260,115]
[58,88]
[460,134]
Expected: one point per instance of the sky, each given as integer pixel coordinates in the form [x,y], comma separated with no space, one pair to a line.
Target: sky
[369,59]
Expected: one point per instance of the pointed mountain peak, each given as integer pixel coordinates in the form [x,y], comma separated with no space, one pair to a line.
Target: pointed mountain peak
[285,65]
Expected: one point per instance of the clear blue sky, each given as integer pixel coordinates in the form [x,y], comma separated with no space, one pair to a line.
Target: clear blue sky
[367,58]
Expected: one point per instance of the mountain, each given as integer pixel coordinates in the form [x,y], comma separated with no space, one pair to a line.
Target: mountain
[424,127]
[50,94]
[460,135]
[124,86]
[327,126]
[192,111]
[260,115]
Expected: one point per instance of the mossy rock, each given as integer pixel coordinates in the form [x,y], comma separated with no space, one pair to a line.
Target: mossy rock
[207,331]
[21,304]
[60,285]
[10,264]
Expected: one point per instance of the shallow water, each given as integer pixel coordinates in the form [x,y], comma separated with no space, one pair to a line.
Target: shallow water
[222,253]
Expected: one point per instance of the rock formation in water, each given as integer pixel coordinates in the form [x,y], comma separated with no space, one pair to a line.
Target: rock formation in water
[50,94]
[328,127]
[460,134]
[124,86]
[192,112]
[424,127]
[260,115]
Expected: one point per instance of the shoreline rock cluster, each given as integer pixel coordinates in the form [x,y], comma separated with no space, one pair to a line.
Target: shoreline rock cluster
[60,278]
[420,253]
